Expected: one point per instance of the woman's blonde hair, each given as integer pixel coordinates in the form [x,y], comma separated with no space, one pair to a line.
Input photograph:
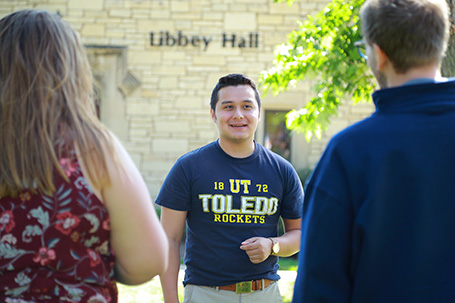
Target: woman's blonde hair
[46,105]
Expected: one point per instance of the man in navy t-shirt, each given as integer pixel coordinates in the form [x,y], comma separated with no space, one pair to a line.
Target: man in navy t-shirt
[231,194]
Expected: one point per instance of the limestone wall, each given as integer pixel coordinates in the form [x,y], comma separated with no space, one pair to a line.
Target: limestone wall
[156,63]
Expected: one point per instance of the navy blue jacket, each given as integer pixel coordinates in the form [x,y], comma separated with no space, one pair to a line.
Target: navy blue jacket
[379,210]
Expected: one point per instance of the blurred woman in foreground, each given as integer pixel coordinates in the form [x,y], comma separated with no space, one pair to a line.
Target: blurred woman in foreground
[75,213]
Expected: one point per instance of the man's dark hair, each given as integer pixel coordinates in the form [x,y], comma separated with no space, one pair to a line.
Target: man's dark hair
[233,80]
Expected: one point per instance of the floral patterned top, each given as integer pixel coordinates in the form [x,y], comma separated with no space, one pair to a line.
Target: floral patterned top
[56,248]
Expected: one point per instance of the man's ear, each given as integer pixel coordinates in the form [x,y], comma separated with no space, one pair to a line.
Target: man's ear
[383,60]
[212,112]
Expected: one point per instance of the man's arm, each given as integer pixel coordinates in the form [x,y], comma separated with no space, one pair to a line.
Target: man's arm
[259,249]
[173,222]
[325,258]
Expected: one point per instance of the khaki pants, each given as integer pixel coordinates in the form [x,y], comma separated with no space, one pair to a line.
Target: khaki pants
[203,294]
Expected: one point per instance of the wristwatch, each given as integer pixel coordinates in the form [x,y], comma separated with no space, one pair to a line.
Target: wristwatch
[275,247]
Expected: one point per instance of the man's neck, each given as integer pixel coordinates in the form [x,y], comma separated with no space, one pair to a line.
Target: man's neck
[237,149]
[424,72]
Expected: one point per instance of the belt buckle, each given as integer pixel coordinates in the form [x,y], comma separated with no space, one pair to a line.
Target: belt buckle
[244,287]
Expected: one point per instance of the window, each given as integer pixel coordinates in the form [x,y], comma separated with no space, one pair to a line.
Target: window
[277,137]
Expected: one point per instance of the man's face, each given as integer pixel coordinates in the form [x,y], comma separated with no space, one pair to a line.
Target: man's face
[373,64]
[236,113]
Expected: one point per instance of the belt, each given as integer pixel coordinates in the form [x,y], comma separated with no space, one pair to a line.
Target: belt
[247,286]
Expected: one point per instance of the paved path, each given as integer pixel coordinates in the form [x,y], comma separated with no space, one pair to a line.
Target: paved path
[287,275]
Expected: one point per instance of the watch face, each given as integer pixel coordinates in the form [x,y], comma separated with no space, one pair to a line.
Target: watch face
[276,247]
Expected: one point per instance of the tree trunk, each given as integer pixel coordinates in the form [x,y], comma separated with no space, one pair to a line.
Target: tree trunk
[448,64]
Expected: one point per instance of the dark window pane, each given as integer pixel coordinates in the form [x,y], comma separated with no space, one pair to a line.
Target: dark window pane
[277,137]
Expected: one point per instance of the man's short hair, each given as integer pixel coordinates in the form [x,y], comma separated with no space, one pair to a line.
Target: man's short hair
[233,80]
[412,33]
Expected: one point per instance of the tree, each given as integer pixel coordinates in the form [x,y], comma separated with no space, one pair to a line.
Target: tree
[323,49]
[448,65]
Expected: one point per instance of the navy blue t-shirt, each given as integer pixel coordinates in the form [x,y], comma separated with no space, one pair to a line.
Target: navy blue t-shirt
[228,201]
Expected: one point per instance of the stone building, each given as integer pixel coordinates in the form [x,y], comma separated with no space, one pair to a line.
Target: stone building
[156,62]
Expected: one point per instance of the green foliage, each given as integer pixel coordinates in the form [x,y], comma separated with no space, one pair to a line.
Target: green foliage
[304,175]
[321,50]
[288,263]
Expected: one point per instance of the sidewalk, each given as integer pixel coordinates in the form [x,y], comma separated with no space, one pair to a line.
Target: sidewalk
[287,275]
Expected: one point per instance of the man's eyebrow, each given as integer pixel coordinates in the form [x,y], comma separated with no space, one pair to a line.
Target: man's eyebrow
[229,101]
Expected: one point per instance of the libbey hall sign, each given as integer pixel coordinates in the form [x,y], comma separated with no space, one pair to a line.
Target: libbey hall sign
[165,38]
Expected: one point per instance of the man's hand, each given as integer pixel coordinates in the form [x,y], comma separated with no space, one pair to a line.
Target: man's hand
[257,248]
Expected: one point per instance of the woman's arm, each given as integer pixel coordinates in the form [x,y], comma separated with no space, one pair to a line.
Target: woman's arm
[137,237]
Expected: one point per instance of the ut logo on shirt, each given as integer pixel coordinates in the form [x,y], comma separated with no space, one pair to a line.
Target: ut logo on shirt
[252,208]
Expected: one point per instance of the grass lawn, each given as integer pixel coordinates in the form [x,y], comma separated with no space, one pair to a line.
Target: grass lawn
[150,292]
